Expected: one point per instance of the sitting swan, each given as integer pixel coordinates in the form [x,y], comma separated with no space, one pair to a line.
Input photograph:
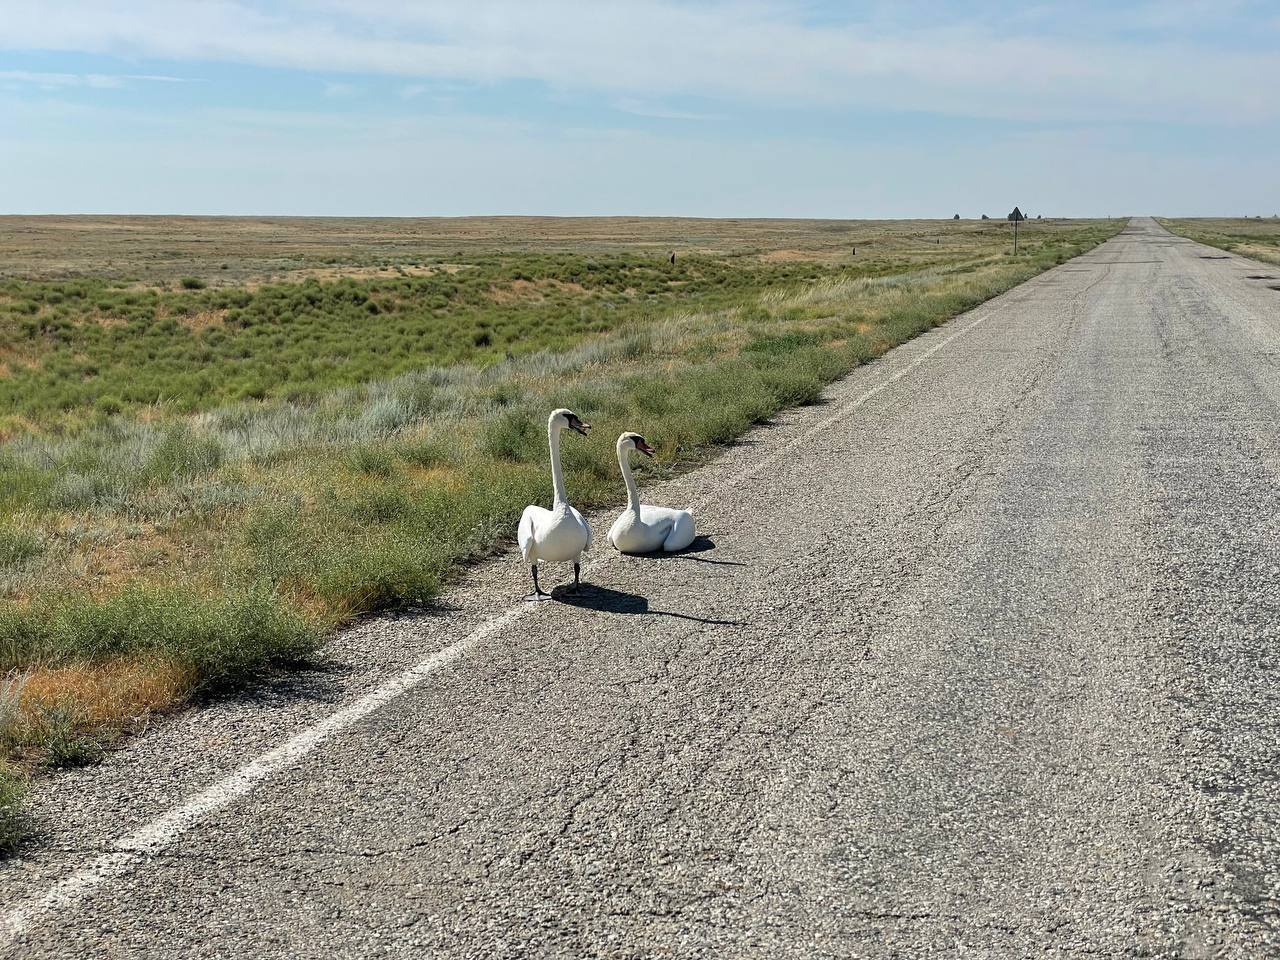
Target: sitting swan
[558,534]
[642,528]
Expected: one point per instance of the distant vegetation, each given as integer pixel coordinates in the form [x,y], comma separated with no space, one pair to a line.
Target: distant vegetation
[77,347]
[199,482]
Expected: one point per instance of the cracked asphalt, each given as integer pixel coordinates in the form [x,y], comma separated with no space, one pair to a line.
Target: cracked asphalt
[979,659]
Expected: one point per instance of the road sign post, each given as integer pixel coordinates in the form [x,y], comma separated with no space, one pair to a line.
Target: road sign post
[1017,216]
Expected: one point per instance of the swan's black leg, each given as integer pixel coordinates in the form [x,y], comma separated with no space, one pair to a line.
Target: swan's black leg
[538,592]
[577,579]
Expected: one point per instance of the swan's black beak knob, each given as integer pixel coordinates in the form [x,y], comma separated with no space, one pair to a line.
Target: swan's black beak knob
[578,426]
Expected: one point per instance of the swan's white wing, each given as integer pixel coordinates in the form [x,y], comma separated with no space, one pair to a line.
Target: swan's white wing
[527,535]
[682,532]
[660,517]
[674,528]
[585,526]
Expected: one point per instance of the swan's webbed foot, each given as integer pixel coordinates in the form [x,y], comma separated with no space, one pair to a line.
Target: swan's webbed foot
[538,593]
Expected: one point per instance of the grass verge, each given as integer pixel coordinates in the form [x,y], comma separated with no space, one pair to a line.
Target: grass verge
[1255,238]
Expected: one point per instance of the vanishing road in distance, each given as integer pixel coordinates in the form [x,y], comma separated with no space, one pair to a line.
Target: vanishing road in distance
[981,658]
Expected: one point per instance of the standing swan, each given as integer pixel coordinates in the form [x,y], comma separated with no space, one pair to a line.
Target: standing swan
[642,528]
[558,534]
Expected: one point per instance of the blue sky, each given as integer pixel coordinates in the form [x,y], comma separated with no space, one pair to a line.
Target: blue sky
[768,108]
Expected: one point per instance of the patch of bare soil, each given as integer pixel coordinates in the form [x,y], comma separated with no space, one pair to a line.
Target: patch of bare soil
[524,290]
[195,322]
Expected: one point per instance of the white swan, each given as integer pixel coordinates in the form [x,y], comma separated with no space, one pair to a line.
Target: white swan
[642,528]
[558,534]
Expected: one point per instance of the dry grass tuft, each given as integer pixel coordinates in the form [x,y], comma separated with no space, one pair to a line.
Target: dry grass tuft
[64,716]
[115,694]
[203,320]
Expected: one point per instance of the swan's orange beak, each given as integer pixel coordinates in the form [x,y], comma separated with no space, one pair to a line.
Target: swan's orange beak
[578,426]
[644,447]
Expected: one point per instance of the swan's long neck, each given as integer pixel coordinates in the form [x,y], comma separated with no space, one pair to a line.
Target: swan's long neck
[624,463]
[557,473]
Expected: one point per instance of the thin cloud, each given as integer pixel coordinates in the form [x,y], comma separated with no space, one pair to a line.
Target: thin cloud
[46,80]
[641,108]
[94,81]
[771,53]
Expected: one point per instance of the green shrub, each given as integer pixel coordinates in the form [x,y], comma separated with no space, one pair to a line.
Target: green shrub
[792,387]
[77,491]
[192,283]
[17,547]
[781,345]
[222,637]
[108,406]
[182,453]
[62,742]
[371,460]
[422,453]
[382,505]
[13,819]
[373,575]
[514,435]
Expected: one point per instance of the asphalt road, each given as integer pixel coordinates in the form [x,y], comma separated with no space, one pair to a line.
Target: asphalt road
[984,661]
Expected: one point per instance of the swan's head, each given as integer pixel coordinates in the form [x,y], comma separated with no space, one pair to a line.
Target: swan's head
[633,441]
[567,419]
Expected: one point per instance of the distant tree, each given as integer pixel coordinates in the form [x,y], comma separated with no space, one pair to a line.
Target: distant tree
[956,217]
[985,217]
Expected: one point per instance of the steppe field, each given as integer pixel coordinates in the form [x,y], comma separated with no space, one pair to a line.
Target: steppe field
[220,439]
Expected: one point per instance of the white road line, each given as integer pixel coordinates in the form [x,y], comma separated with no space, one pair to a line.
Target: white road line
[843,409]
[160,833]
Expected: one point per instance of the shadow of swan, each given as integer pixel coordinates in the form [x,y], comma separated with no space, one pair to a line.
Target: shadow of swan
[700,545]
[591,597]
